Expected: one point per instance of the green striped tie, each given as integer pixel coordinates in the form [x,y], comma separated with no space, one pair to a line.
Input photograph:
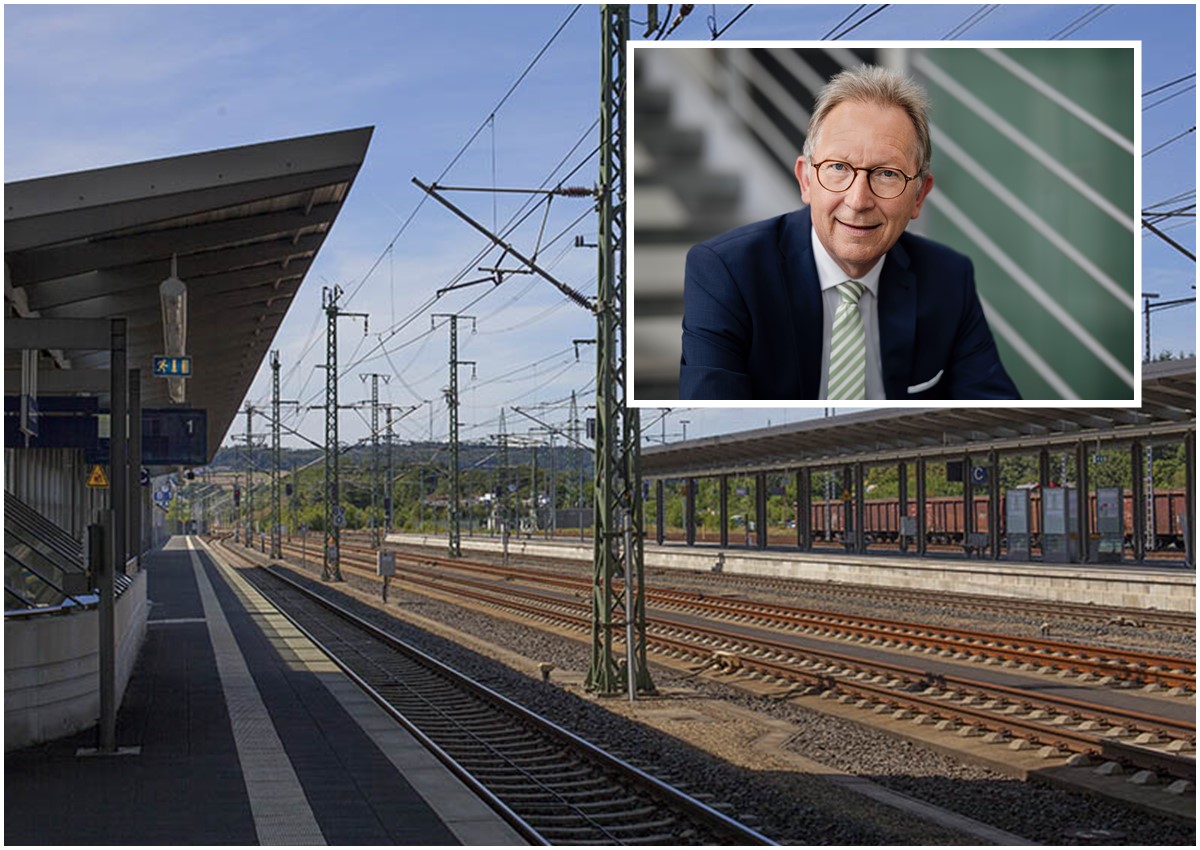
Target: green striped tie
[848,346]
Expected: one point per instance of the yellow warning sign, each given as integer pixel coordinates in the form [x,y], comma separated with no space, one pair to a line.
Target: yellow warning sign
[97,478]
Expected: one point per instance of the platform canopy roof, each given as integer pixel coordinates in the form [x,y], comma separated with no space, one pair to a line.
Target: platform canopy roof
[244,225]
[1168,411]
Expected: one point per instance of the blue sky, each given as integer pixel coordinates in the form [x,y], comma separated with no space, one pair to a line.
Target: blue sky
[90,86]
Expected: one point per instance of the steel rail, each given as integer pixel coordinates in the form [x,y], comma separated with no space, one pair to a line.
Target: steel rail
[721,824]
[1150,667]
[1077,710]
[1185,621]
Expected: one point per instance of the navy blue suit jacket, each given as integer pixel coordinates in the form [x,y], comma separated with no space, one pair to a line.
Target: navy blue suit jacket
[753,316]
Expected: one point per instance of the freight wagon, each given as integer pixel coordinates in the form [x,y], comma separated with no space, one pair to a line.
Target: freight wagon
[944,518]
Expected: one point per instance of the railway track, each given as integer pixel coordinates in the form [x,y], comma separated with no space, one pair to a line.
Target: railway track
[553,786]
[1019,717]
[1129,668]
[1033,610]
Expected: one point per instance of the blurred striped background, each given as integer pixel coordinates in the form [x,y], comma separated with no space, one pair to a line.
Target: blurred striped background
[1034,160]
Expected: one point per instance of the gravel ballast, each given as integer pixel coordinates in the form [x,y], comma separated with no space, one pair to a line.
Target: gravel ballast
[788,805]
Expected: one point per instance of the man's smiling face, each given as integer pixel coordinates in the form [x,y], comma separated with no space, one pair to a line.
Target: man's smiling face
[855,226]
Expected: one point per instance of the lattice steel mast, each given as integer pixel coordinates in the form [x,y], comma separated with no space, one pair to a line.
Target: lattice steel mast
[455,522]
[375,376]
[617,483]
[331,565]
[618,492]
[276,520]
[249,477]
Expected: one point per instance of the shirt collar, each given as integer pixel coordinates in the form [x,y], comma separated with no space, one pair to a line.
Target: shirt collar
[829,274]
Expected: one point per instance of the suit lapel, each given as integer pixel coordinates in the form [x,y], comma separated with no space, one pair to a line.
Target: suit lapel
[806,308]
[897,321]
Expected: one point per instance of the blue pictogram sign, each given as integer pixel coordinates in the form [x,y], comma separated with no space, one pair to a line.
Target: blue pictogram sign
[172,367]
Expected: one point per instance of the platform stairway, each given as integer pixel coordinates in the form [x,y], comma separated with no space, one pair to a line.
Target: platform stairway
[44,566]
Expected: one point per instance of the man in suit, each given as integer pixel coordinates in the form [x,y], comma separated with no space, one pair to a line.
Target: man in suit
[835,301]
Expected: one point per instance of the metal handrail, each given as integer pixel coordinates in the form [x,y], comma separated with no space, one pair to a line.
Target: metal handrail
[9,555]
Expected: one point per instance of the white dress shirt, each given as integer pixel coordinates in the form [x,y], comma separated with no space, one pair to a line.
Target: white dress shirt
[830,275]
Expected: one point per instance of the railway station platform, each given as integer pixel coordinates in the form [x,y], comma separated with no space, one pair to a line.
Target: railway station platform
[1117,585]
[236,729]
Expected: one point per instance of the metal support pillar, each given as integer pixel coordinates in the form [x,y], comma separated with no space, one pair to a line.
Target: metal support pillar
[902,510]
[860,509]
[1189,491]
[723,509]
[533,491]
[119,447]
[689,510]
[552,525]
[995,509]
[331,568]
[849,527]
[454,542]
[922,531]
[968,485]
[376,539]
[505,514]
[1083,485]
[389,493]
[804,509]
[618,426]
[135,466]
[1151,516]
[100,561]
[660,515]
[276,515]
[249,477]
[1137,495]
[375,460]
[1043,483]
[575,431]
[760,510]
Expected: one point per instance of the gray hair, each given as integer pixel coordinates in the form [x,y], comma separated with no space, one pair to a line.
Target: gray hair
[873,84]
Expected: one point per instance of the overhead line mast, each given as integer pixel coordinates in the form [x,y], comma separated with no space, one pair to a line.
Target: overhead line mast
[455,521]
[376,538]
[276,459]
[619,524]
[331,565]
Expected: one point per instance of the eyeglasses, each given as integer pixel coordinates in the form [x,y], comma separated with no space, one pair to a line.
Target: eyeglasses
[885,182]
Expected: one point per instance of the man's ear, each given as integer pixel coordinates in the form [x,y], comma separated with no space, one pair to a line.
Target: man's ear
[926,187]
[803,178]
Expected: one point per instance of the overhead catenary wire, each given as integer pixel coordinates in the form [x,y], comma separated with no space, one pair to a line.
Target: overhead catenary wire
[466,145]
[1167,85]
[971,20]
[1148,106]
[314,338]
[843,21]
[860,22]
[488,121]
[521,215]
[718,33]
[380,346]
[1162,145]
[1079,23]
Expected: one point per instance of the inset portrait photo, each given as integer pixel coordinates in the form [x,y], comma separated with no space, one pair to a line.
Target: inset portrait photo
[876,225]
